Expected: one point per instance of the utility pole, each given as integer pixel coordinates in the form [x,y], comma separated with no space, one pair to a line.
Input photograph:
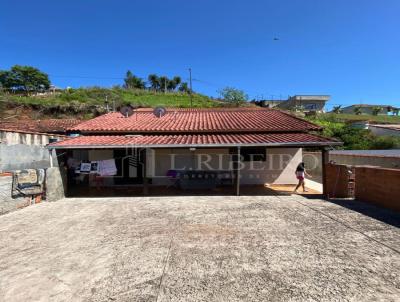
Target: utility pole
[190,88]
[107,109]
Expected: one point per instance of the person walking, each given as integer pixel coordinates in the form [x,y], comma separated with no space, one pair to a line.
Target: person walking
[301,173]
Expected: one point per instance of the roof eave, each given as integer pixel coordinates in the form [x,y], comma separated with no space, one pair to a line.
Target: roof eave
[181,132]
[159,146]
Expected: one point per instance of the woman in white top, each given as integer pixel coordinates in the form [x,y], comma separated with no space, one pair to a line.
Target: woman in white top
[301,173]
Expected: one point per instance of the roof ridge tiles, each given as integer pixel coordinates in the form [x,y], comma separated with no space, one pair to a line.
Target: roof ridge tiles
[198,121]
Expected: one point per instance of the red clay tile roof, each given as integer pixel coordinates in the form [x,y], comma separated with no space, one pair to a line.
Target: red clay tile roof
[38,126]
[185,121]
[273,139]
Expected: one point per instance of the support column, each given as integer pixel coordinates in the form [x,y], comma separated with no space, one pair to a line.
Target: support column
[145,179]
[238,172]
[325,161]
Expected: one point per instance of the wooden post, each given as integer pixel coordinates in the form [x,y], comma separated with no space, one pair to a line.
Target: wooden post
[238,172]
[325,160]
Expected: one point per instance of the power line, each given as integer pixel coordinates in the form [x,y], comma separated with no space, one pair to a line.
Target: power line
[85,77]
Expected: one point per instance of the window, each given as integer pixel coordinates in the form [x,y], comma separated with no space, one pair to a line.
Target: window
[310,106]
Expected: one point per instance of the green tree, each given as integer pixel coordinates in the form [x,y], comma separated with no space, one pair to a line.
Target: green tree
[233,95]
[154,81]
[357,110]
[184,87]
[354,138]
[337,109]
[24,78]
[174,83]
[132,81]
[164,83]
[385,142]
[376,110]
[3,78]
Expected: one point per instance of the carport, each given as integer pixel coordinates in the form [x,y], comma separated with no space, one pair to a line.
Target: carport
[190,149]
[218,168]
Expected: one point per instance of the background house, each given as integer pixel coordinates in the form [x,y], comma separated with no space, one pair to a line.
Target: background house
[34,132]
[377,129]
[385,129]
[22,142]
[304,103]
[271,103]
[369,109]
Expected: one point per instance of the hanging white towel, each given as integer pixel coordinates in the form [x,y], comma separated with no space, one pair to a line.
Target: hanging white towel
[107,167]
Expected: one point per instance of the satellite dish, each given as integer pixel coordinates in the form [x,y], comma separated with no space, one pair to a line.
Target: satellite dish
[159,111]
[126,111]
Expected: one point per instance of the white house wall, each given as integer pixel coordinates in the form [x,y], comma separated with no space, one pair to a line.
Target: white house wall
[185,159]
[278,169]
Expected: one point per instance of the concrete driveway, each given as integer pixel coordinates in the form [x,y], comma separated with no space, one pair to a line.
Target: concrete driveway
[267,248]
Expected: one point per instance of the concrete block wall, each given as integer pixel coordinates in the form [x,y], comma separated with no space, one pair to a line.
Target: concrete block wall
[18,157]
[378,186]
[7,203]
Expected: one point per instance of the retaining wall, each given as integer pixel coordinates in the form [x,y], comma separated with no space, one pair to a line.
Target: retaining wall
[378,186]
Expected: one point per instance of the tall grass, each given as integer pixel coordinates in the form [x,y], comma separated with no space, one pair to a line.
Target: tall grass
[391,119]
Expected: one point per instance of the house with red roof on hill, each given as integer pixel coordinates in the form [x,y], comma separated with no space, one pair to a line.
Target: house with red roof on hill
[187,149]
[34,132]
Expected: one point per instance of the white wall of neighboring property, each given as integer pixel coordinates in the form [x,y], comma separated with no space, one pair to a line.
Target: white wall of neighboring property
[36,139]
[381,131]
[279,167]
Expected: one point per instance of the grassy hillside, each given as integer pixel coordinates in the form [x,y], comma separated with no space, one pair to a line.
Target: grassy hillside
[89,102]
[390,119]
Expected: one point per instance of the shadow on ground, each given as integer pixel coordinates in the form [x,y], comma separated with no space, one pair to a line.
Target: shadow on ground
[381,214]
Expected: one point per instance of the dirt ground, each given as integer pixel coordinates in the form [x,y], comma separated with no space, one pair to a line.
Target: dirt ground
[220,248]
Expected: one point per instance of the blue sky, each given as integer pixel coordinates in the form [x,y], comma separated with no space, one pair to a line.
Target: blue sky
[348,49]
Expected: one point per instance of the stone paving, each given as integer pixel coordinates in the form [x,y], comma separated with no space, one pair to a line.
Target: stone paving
[208,248]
